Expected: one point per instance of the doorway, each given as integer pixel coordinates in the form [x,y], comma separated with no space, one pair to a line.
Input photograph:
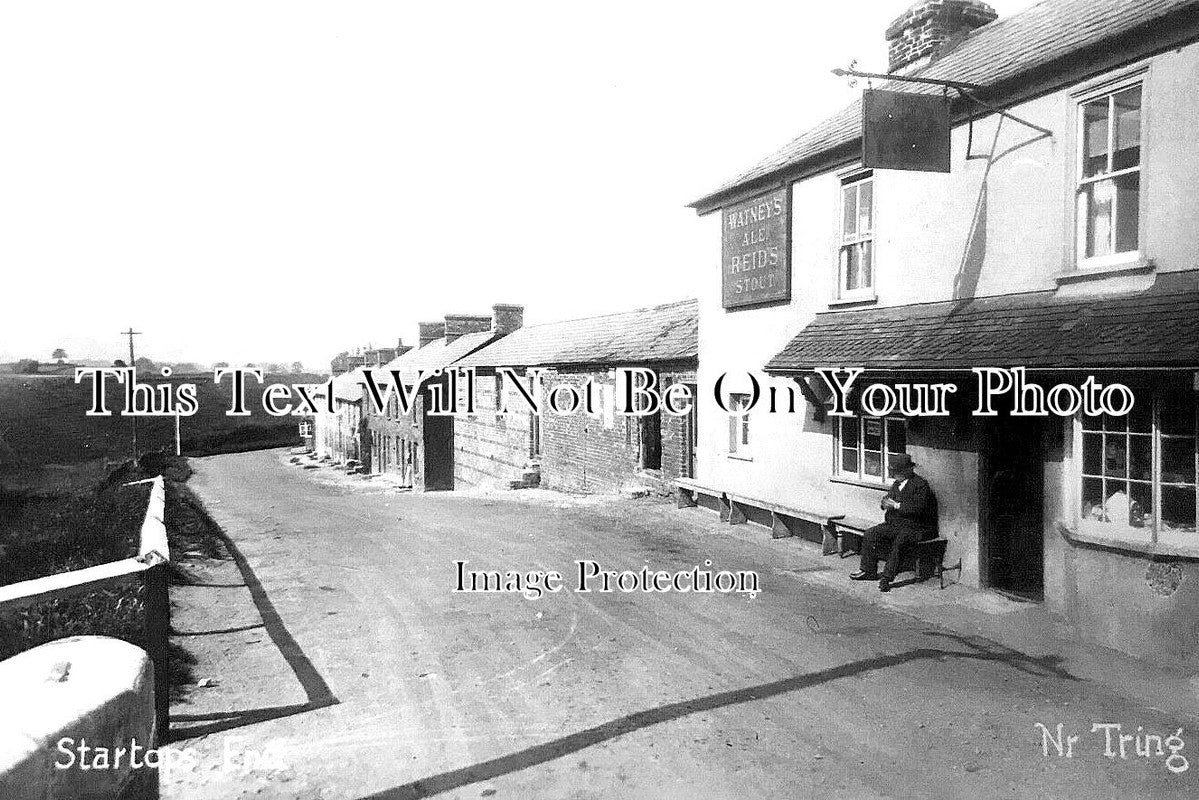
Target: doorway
[439,449]
[1011,503]
[691,434]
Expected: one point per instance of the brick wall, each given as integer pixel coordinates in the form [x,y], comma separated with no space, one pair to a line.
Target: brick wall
[602,454]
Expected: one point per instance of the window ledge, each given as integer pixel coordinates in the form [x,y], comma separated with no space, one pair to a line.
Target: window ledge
[1137,267]
[1150,549]
[850,302]
[882,487]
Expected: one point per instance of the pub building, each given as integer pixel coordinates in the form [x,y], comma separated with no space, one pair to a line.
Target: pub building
[1058,236]
[603,452]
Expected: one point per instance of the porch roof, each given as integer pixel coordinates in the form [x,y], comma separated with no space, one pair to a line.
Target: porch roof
[1158,327]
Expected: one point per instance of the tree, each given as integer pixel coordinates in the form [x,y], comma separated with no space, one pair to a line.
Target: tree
[119,363]
[59,354]
[27,366]
[221,365]
[297,366]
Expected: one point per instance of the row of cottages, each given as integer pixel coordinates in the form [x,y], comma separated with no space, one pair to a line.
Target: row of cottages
[602,452]
[1072,251]
[415,444]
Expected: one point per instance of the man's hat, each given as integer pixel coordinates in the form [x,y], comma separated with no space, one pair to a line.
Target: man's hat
[903,461]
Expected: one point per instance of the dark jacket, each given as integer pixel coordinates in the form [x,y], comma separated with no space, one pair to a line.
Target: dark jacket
[917,507]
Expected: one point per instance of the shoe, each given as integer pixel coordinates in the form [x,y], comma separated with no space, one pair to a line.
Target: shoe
[862,575]
[884,584]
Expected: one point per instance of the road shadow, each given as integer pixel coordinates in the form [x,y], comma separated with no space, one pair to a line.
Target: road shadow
[976,648]
[317,691]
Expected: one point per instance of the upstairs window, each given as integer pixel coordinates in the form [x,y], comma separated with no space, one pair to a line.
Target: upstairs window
[855,272]
[1109,177]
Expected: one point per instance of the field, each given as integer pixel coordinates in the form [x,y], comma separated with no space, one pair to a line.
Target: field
[48,443]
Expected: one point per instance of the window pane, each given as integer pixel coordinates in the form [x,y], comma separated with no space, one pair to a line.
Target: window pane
[867,279]
[1092,423]
[1140,510]
[849,460]
[849,432]
[1140,458]
[1092,449]
[1178,460]
[745,430]
[1140,419]
[850,200]
[1178,414]
[874,464]
[1128,211]
[872,433]
[1178,509]
[1094,134]
[1128,129]
[865,207]
[1115,456]
[1097,211]
[852,266]
[897,436]
[1092,498]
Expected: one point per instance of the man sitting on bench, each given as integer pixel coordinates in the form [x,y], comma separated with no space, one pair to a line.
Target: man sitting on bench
[911,516]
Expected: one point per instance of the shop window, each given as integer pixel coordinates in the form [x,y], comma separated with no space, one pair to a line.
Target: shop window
[855,271]
[739,425]
[1109,177]
[865,444]
[1138,472]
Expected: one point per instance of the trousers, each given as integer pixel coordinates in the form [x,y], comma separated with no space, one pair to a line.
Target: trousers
[876,540]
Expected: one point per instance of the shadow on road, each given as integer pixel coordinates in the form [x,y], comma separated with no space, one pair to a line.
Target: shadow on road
[317,691]
[978,648]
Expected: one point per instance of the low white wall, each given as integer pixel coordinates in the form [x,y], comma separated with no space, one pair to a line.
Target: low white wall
[91,688]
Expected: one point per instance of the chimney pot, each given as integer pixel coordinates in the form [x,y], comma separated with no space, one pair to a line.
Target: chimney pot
[931,28]
[430,332]
[506,318]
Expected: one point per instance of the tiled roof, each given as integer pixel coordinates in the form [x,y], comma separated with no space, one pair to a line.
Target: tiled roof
[1156,328]
[1000,51]
[437,354]
[662,333]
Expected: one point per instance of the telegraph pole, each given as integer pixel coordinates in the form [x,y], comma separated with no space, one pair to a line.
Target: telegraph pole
[133,419]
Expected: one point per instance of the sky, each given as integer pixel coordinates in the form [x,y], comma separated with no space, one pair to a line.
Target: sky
[282,181]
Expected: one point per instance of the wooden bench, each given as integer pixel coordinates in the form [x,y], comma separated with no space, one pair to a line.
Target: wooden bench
[733,508]
[781,516]
[926,559]
[690,490]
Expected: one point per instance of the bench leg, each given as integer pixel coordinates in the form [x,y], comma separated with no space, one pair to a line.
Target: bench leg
[725,509]
[686,498]
[736,514]
[829,543]
[779,529]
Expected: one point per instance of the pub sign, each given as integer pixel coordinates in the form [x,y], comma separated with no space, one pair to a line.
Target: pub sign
[901,130]
[755,250]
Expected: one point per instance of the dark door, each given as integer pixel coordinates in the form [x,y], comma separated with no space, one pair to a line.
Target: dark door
[439,450]
[691,434]
[1011,493]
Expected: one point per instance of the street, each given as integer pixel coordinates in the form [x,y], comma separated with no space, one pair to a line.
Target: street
[348,658]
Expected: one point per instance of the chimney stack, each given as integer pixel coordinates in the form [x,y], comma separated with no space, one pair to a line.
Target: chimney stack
[506,318]
[430,332]
[931,28]
[458,324]
[401,348]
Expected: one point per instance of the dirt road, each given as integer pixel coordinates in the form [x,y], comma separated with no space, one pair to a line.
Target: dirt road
[348,663]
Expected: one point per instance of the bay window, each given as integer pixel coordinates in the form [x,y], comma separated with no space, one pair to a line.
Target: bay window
[1139,472]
